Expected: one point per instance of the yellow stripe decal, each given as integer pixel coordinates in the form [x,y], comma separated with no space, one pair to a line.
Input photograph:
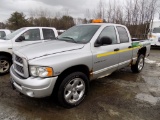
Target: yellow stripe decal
[115,52]
[106,54]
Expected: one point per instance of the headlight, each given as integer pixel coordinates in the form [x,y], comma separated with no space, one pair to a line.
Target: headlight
[41,71]
[33,71]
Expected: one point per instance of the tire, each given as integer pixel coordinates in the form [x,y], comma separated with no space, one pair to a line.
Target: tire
[5,64]
[73,90]
[139,64]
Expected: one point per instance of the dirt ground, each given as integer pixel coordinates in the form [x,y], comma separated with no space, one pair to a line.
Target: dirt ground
[120,96]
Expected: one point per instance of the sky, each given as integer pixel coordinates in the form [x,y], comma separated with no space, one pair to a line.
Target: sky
[76,8]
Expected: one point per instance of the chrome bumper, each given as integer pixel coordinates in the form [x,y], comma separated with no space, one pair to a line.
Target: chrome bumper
[33,87]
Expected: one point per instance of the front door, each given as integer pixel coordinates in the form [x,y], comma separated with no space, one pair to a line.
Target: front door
[31,36]
[106,57]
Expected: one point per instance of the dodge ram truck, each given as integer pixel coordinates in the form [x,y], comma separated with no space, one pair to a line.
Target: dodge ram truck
[20,38]
[65,66]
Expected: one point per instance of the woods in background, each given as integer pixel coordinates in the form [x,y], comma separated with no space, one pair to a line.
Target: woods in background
[18,20]
[135,14]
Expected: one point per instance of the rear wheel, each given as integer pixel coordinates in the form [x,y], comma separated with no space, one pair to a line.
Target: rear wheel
[5,64]
[139,64]
[73,90]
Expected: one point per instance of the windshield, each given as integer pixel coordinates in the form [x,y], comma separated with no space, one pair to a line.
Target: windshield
[79,34]
[156,30]
[13,34]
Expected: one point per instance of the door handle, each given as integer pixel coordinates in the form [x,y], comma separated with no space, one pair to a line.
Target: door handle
[130,47]
[117,49]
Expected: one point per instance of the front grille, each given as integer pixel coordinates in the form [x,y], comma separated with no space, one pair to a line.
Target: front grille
[18,59]
[20,66]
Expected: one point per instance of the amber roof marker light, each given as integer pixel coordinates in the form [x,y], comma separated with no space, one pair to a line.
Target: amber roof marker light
[97,21]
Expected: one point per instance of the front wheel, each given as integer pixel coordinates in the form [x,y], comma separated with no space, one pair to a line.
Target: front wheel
[5,64]
[139,64]
[73,90]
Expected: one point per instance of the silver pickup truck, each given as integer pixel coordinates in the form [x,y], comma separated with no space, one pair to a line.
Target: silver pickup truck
[66,65]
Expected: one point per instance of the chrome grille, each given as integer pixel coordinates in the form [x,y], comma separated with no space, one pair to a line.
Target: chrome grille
[20,66]
[18,59]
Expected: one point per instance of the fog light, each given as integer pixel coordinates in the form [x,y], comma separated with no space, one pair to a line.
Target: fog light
[30,93]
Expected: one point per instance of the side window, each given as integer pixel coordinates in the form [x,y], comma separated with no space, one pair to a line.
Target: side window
[123,35]
[109,32]
[2,34]
[32,35]
[48,34]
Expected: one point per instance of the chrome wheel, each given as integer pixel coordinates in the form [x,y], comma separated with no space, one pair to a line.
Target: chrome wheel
[4,66]
[141,64]
[74,90]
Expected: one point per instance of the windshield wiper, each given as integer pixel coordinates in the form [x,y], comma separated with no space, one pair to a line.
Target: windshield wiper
[71,39]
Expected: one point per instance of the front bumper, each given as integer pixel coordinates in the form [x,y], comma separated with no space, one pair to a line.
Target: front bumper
[33,87]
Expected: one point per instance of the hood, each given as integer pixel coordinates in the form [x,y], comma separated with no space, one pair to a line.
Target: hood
[47,48]
[2,41]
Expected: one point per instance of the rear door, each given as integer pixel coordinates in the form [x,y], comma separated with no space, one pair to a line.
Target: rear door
[125,46]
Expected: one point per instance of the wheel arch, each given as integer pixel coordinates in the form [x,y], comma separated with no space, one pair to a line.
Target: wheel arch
[142,51]
[77,68]
[6,54]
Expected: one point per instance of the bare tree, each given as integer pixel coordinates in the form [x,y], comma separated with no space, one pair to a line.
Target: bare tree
[78,21]
[42,16]
[99,12]
[135,14]
[87,14]
[65,11]
[109,12]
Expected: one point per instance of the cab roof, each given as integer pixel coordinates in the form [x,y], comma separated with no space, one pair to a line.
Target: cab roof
[103,24]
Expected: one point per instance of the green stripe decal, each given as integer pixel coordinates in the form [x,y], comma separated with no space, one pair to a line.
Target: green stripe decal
[136,44]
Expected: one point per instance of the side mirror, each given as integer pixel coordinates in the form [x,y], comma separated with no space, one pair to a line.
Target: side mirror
[103,41]
[20,39]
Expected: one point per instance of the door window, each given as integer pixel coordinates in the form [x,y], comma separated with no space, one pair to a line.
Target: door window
[48,34]
[32,35]
[109,32]
[123,35]
[2,34]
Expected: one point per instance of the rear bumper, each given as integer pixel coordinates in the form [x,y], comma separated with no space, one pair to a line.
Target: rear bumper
[33,87]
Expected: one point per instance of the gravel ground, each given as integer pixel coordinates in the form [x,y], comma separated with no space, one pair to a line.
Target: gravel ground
[120,96]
